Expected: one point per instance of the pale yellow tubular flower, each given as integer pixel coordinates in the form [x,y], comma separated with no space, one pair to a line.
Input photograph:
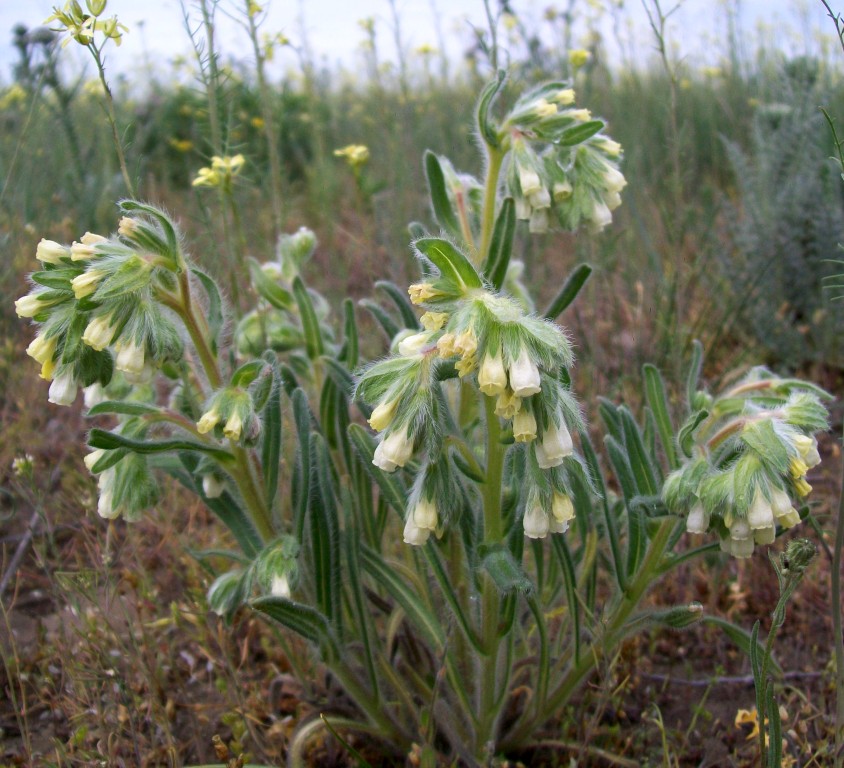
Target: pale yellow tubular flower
[433,321]
[28,306]
[383,414]
[466,365]
[445,345]
[524,426]
[508,404]
[51,252]
[208,421]
[86,247]
[99,332]
[130,357]
[233,427]
[420,292]
[563,97]
[85,284]
[492,377]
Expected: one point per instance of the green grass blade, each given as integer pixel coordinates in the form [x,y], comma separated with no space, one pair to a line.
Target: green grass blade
[568,293]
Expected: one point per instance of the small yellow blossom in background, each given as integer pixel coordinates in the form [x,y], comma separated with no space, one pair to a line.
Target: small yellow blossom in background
[221,172]
[751,717]
[93,88]
[356,155]
[269,43]
[367,24]
[685,84]
[579,57]
[426,50]
[712,72]
[510,21]
[253,9]
[257,122]
[180,145]
[12,96]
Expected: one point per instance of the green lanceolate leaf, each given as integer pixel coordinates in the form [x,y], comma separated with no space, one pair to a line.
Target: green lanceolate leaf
[325,532]
[485,124]
[123,408]
[579,133]
[169,230]
[507,574]
[350,334]
[402,302]
[452,263]
[267,288]
[636,534]
[310,325]
[694,371]
[99,438]
[382,316]
[501,244]
[568,293]
[302,479]
[742,638]
[658,402]
[303,619]
[686,435]
[561,550]
[441,205]
[271,437]
[398,588]
[644,472]
[247,373]
[774,730]
[214,310]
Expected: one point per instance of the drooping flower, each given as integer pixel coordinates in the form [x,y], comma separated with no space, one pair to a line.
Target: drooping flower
[524,375]
[492,376]
[562,512]
[99,332]
[524,426]
[383,414]
[555,445]
[130,357]
[63,389]
[393,451]
[51,252]
[535,522]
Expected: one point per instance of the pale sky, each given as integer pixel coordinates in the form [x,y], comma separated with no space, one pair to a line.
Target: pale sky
[157,27]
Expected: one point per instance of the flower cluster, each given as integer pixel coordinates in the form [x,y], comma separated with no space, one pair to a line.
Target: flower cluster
[560,163]
[512,357]
[230,413]
[747,474]
[82,26]
[97,307]
[221,172]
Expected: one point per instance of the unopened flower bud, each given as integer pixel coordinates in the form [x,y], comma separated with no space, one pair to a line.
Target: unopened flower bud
[86,247]
[698,519]
[29,305]
[51,252]
[383,414]
[85,284]
[415,344]
[213,486]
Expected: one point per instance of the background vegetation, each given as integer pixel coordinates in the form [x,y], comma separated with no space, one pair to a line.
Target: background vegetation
[730,217]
